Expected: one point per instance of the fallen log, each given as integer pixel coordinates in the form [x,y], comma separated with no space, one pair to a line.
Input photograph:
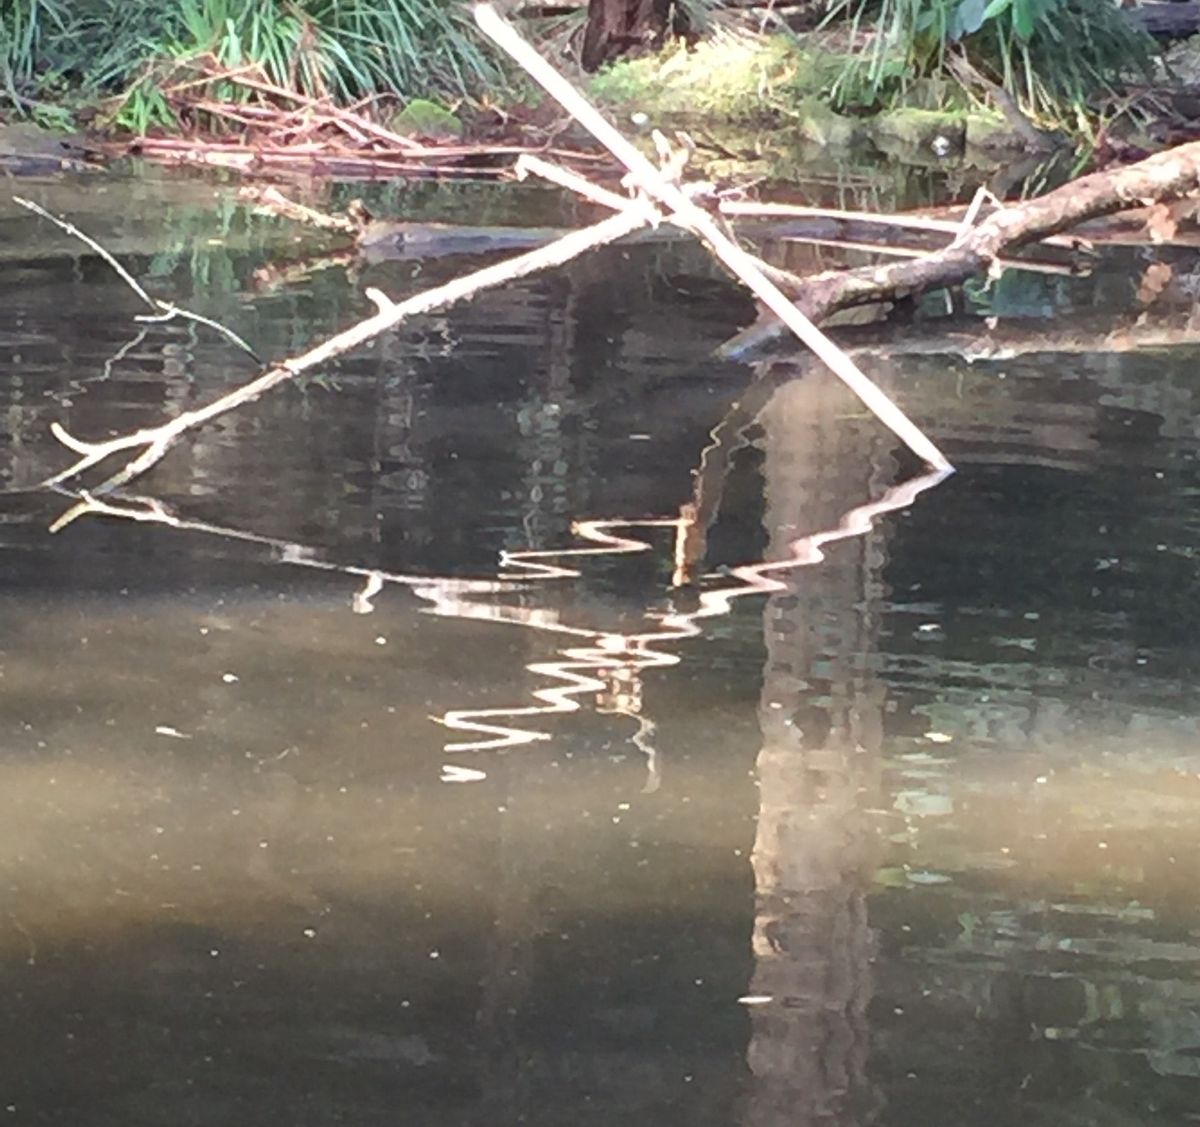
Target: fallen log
[388,240]
[1163,224]
[1165,176]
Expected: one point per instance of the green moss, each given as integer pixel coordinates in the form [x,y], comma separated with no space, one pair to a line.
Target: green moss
[815,121]
[991,131]
[922,129]
[796,89]
[423,118]
[732,78]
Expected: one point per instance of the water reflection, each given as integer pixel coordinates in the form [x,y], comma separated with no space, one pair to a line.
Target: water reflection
[896,826]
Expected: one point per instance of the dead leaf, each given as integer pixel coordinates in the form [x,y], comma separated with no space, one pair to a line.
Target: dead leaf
[1161,223]
[1155,279]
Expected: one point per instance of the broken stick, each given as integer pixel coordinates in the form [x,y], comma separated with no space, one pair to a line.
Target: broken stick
[1165,176]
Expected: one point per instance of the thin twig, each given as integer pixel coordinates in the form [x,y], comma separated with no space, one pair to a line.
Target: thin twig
[83,237]
[170,312]
[743,209]
[163,310]
[1028,265]
[746,209]
[381,133]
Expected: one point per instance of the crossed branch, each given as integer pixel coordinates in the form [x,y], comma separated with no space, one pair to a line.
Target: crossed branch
[657,195]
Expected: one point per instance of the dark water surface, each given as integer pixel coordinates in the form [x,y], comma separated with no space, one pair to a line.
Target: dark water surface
[912,840]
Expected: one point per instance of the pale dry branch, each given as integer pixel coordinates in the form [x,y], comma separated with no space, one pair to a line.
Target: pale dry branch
[154,442]
[684,211]
[528,164]
[87,239]
[274,201]
[788,280]
[906,221]
[751,209]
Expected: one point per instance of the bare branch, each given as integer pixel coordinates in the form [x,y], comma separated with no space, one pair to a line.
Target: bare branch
[683,211]
[1165,176]
[154,442]
[74,231]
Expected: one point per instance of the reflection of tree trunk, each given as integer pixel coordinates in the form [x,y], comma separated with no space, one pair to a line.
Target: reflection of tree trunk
[508,973]
[821,719]
[615,26]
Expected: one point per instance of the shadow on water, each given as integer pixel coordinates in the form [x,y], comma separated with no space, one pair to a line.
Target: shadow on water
[889,818]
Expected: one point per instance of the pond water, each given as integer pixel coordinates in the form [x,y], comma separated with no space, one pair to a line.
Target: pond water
[905,836]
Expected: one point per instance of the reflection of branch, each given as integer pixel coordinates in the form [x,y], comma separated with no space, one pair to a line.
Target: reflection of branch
[806,550]
[716,460]
[79,384]
[973,338]
[149,510]
[609,667]
[607,663]
[596,532]
[454,598]
[618,656]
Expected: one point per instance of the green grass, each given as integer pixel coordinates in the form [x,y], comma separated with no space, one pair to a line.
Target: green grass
[349,49]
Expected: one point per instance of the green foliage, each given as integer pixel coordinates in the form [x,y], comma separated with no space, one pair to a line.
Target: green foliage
[24,25]
[1053,56]
[350,49]
[423,118]
[143,106]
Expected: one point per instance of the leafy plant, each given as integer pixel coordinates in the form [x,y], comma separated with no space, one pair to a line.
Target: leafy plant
[348,48]
[1055,57]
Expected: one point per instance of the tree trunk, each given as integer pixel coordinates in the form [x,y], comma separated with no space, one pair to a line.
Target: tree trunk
[617,26]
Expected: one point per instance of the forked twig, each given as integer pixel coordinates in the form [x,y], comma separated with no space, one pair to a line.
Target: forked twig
[163,310]
[156,441]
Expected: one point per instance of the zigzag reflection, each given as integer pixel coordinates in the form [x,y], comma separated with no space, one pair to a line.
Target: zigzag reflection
[608,664]
[612,665]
